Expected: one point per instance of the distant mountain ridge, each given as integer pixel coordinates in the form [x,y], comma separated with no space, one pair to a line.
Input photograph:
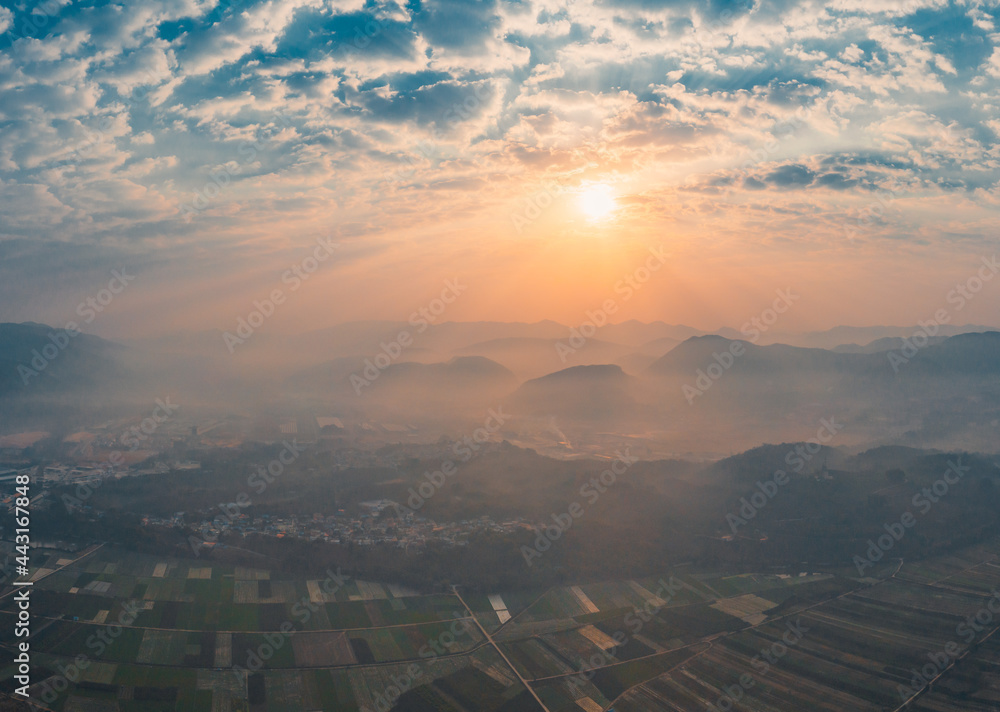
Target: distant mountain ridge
[706,393]
[461,338]
[36,356]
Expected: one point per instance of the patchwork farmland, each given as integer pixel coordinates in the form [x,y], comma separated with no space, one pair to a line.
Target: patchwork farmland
[119,631]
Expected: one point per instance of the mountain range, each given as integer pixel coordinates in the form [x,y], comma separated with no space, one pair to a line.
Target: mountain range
[668,387]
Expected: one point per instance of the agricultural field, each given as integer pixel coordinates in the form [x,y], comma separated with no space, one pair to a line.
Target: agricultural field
[875,648]
[119,631]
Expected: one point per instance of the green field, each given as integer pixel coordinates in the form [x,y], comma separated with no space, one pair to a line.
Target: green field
[200,637]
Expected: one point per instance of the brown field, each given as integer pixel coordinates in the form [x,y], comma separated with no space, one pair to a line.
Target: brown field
[322,649]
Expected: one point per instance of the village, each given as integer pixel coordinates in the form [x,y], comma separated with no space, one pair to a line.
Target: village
[378,523]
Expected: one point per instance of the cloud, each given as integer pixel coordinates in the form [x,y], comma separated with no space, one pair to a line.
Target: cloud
[790,176]
[406,116]
[457,24]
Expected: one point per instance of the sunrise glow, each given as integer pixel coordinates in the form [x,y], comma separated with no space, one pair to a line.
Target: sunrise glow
[597,202]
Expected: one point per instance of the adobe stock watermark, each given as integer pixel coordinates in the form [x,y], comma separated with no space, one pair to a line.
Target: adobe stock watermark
[871,213]
[968,630]
[258,481]
[761,663]
[536,203]
[592,491]
[363,35]
[295,276]
[390,352]
[781,132]
[399,685]
[796,459]
[923,501]
[98,643]
[452,116]
[721,21]
[38,19]
[105,125]
[635,621]
[465,450]
[220,178]
[939,662]
[627,286]
[962,294]
[303,610]
[431,653]
[706,377]
[132,438]
[88,308]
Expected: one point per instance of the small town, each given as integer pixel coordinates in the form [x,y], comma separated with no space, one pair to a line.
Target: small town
[379,523]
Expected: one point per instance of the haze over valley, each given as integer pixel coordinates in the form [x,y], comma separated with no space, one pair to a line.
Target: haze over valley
[499,356]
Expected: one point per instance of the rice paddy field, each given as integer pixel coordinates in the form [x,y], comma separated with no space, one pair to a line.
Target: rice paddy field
[114,630]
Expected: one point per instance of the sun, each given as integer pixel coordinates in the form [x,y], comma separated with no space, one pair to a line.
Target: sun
[597,202]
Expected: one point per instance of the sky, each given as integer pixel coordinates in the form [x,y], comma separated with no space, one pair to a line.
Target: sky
[539,152]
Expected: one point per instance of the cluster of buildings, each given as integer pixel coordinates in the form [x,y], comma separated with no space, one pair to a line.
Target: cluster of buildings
[379,523]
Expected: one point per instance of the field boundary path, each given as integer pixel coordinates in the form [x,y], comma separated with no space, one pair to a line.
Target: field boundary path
[496,647]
